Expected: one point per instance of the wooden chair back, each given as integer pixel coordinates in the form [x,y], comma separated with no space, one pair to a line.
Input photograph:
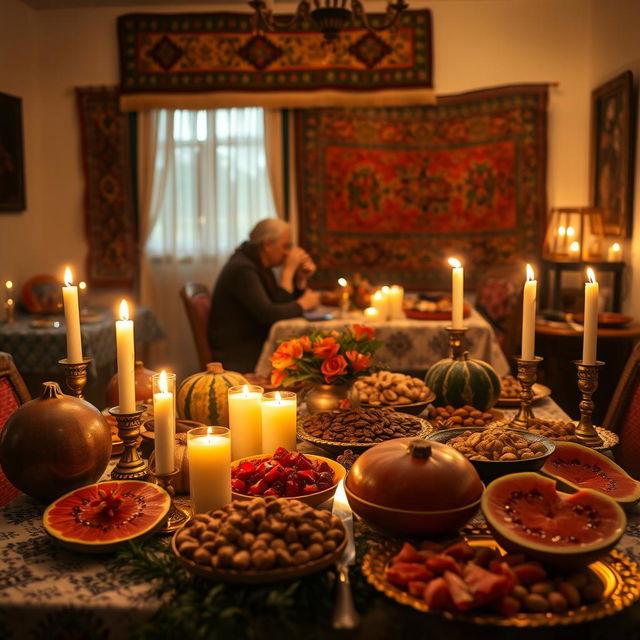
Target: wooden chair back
[13,394]
[197,303]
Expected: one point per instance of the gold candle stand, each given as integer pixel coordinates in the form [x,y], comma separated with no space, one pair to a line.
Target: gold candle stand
[587,383]
[131,465]
[178,514]
[527,375]
[456,337]
[75,374]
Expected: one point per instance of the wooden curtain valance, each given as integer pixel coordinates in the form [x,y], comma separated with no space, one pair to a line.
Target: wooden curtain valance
[216,60]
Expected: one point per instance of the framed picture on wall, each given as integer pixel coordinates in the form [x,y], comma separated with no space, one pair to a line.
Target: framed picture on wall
[12,198]
[612,150]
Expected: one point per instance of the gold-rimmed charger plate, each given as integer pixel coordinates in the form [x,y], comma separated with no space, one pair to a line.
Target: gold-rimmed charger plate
[257,577]
[617,572]
[333,446]
[539,391]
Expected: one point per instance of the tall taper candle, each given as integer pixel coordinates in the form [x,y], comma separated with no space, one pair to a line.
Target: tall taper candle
[126,361]
[72,318]
[457,293]
[591,291]
[164,421]
[529,315]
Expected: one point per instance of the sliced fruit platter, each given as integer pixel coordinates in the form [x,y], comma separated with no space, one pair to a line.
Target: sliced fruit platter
[510,394]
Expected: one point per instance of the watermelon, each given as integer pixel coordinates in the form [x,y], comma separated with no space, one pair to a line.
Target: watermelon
[464,382]
[204,396]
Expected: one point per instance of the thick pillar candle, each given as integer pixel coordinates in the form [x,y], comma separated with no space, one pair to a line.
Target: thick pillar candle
[457,293]
[164,421]
[396,298]
[245,420]
[591,292]
[72,318]
[381,304]
[209,452]
[529,315]
[371,313]
[279,421]
[126,361]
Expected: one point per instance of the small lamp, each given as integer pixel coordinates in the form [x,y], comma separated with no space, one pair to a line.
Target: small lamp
[575,234]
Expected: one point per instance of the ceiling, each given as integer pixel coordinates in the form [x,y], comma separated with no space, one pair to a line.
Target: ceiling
[130,4]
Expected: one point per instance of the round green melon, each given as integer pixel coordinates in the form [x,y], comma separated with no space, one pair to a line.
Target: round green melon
[462,382]
[203,396]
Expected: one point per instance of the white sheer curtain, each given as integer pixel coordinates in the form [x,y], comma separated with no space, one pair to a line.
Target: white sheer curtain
[205,186]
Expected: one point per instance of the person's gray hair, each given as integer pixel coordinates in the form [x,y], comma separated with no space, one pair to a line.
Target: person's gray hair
[268,230]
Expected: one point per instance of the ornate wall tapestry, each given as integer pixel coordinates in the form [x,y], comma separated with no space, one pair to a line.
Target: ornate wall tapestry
[110,217]
[393,192]
[209,60]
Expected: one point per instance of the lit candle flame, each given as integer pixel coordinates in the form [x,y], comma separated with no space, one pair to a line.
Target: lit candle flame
[385,289]
[562,231]
[124,310]
[278,397]
[616,246]
[162,382]
[209,434]
[8,284]
[571,232]
[67,277]
[530,275]
[342,282]
[245,390]
[455,263]
[591,276]
[574,246]
[82,285]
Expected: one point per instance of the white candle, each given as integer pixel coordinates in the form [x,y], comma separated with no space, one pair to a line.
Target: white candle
[396,297]
[164,421]
[209,453]
[278,421]
[574,250]
[381,304]
[615,253]
[245,421]
[72,318]
[457,293]
[126,360]
[591,291]
[344,296]
[371,313]
[8,289]
[529,315]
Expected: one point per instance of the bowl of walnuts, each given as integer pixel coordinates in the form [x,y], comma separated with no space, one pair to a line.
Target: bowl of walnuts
[394,390]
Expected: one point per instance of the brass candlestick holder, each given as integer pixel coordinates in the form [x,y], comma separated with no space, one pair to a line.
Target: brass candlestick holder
[178,514]
[456,338]
[527,375]
[587,383]
[131,465]
[75,374]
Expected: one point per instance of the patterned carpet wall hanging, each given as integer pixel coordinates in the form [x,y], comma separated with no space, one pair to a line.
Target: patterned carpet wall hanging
[210,60]
[110,217]
[393,192]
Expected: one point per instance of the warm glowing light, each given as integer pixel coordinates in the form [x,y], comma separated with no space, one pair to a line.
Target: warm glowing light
[162,382]
[455,263]
[530,275]
[124,310]
[278,397]
[562,232]
[591,276]
[615,246]
[8,284]
[385,289]
[67,277]
[82,285]
[245,390]
[371,312]
[574,246]
[342,282]
[571,232]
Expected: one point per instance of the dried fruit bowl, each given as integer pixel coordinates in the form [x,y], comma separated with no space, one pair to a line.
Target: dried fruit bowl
[311,499]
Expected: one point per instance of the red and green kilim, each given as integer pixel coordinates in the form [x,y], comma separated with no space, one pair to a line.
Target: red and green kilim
[221,52]
[393,192]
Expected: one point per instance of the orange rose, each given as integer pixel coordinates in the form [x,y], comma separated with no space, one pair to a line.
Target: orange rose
[333,367]
[359,361]
[305,343]
[286,354]
[362,331]
[277,376]
[326,348]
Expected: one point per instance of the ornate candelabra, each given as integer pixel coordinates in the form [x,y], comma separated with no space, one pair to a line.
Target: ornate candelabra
[178,514]
[456,338]
[587,383]
[527,375]
[131,465]
[75,374]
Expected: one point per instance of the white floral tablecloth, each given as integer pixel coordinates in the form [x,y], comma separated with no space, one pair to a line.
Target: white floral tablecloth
[409,345]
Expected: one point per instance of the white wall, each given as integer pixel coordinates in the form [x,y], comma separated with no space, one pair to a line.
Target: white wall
[477,44]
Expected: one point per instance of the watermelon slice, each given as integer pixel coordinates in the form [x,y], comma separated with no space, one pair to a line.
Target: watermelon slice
[98,517]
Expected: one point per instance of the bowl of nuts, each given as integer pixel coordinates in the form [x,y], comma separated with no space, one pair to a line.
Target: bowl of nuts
[450,417]
[496,451]
[510,393]
[396,390]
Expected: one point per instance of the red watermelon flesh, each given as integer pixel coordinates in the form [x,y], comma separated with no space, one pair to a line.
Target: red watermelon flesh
[582,468]
[98,516]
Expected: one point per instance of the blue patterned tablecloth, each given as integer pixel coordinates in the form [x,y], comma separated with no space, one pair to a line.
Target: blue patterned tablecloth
[38,349]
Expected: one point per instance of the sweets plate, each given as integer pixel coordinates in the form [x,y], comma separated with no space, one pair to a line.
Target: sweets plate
[539,392]
[617,572]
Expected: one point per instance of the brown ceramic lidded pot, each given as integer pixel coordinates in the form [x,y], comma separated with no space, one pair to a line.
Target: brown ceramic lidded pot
[144,388]
[413,486]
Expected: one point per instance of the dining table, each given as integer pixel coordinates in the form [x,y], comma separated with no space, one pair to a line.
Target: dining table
[409,344]
[49,592]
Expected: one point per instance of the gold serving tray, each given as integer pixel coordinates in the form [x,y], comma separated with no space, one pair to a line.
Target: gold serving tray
[617,572]
[331,446]
[539,392]
[257,577]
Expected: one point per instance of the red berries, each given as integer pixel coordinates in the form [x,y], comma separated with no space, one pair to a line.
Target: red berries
[286,473]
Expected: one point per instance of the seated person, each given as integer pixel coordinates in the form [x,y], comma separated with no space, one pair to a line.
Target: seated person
[247,298]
